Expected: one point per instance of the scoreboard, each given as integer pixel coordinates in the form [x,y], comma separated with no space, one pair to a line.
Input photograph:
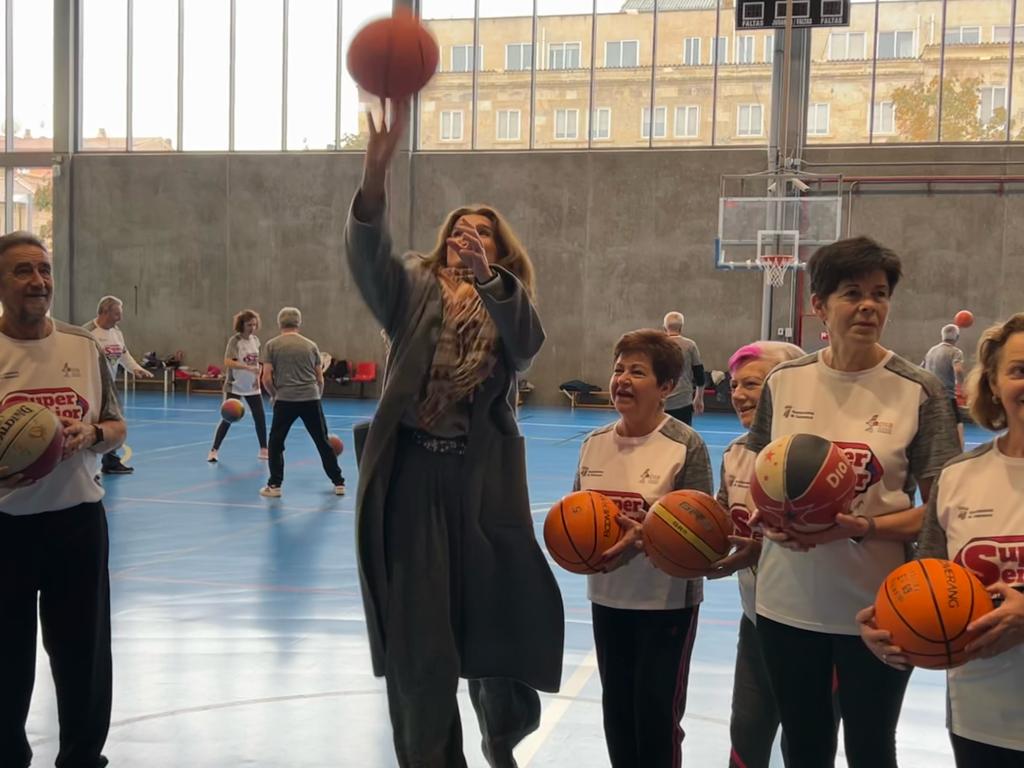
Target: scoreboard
[771,14]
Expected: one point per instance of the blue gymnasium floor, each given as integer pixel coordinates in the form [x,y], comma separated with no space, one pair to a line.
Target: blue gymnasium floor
[238,629]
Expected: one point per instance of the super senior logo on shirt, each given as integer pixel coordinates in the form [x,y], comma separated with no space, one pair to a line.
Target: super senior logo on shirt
[63,401]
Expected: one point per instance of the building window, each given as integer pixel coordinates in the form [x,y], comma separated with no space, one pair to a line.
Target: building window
[896,45]
[601,124]
[622,53]
[687,122]
[1001,34]
[817,120]
[567,123]
[564,56]
[963,36]
[691,51]
[518,56]
[885,118]
[749,120]
[508,124]
[745,49]
[451,126]
[843,46]
[720,54]
[769,49]
[659,122]
[993,99]
[462,58]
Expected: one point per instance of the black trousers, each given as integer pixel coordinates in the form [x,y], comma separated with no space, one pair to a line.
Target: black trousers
[644,661]
[974,754]
[801,665]
[423,518]
[59,558]
[684,414]
[755,717]
[259,418]
[312,414]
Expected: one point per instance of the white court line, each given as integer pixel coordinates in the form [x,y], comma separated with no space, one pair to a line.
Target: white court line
[190,503]
[556,709]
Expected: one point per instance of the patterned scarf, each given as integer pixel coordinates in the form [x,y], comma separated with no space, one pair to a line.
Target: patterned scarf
[464,357]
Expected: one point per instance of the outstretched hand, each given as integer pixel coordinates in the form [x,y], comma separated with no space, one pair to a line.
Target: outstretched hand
[382,144]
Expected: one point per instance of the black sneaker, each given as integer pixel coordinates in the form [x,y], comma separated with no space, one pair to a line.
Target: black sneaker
[117,469]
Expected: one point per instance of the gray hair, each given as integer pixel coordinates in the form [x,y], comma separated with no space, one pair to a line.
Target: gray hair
[108,303]
[20,237]
[950,332]
[674,321]
[289,317]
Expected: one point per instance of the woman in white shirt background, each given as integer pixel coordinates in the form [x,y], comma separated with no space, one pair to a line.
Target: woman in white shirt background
[242,379]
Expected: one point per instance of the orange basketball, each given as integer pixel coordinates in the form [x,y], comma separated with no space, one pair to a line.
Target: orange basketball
[964,318]
[336,444]
[579,528]
[686,532]
[801,482]
[31,440]
[926,605]
[394,57]
[232,410]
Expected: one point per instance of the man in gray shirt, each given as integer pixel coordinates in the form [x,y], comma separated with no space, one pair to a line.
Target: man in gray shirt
[946,361]
[688,395]
[295,380]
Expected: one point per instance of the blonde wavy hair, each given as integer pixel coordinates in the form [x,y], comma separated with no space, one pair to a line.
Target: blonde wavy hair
[511,253]
[985,410]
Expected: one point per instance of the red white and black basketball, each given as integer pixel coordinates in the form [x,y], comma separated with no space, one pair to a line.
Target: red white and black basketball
[801,482]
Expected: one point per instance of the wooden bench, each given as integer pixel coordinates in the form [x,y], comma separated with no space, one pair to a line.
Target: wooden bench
[204,385]
[582,399]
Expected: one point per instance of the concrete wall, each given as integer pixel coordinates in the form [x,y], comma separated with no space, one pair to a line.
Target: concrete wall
[618,239]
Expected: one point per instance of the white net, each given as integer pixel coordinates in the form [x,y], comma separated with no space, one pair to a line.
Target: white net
[774,267]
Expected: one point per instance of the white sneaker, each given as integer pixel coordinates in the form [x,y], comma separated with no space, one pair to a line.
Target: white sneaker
[339,490]
[271,491]
[263,455]
[212,457]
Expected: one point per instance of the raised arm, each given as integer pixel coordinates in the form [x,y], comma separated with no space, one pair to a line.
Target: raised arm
[509,305]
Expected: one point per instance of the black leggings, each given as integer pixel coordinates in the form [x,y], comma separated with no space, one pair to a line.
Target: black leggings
[974,754]
[258,416]
[800,664]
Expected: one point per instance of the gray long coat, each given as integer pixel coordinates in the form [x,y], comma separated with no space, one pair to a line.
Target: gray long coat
[513,622]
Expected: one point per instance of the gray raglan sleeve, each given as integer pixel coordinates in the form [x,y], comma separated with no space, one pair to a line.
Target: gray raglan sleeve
[761,429]
[931,542]
[936,441]
[696,472]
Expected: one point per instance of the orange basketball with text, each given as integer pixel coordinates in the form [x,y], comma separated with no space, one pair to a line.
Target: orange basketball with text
[926,605]
[394,57]
[579,528]
[686,532]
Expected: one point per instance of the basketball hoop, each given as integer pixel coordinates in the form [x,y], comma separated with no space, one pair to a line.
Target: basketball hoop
[774,266]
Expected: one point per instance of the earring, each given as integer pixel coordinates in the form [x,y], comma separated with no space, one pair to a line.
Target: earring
[995,399]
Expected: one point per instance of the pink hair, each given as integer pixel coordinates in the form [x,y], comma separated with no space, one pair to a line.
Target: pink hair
[775,350]
[743,355]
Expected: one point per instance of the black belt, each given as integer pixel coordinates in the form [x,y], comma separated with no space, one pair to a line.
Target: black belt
[445,446]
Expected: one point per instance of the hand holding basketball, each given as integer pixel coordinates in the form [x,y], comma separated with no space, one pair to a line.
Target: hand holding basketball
[77,436]
[1001,629]
[626,548]
[746,555]
[879,641]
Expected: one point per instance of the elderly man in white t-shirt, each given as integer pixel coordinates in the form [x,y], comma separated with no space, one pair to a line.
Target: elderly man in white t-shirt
[53,531]
[111,340]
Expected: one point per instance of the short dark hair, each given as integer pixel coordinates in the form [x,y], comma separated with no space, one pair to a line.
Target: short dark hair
[244,317]
[850,259]
[665,355]
[20,237]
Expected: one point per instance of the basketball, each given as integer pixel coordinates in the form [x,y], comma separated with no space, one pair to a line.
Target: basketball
[686,532]
[926,606]
[964,318]
[336,444]
[232,410]
[31,440]
[801,482]
[579,528]
[394,57]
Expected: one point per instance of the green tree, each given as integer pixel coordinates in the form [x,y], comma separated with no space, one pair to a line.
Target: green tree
[917,111]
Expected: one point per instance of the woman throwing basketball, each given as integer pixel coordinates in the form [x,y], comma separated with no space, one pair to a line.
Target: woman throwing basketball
[644,619]
[894,423]
[975,517]
[454,583]
[242,378]
[755,718]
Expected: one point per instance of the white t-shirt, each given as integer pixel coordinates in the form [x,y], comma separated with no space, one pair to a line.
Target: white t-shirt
[896,426]
[635,472]
[733,493]
[115,351]
[68,374]
[247,352]
[976,518]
